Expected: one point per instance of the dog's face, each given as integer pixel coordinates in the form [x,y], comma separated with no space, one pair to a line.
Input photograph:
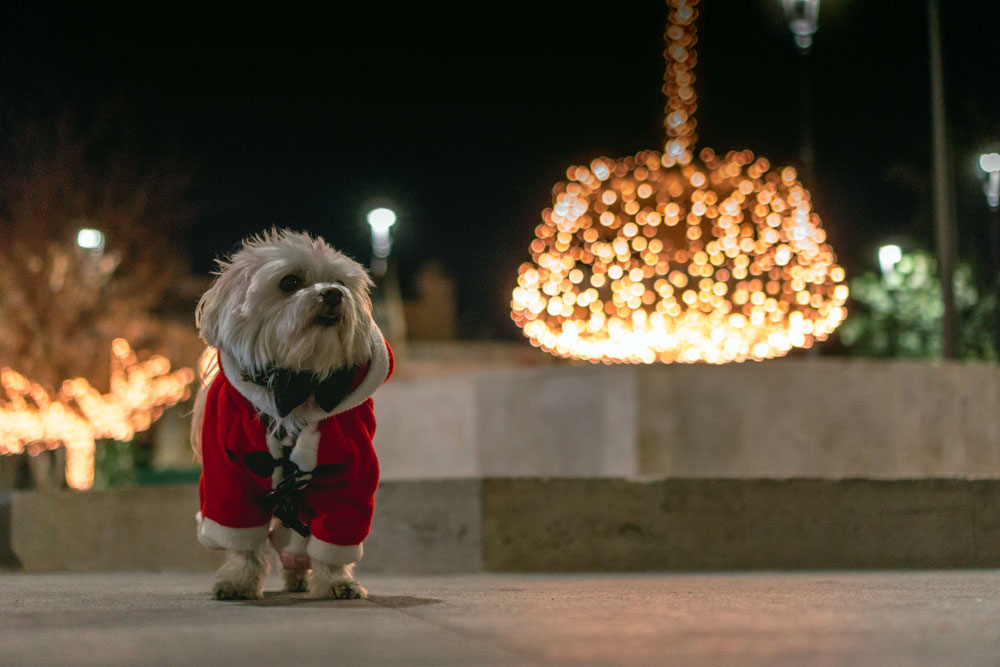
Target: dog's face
[289,300]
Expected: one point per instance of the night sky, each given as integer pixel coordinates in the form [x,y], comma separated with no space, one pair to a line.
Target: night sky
[463,119]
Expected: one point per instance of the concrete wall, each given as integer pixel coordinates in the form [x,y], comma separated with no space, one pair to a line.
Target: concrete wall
[556,421]
[443,526]
[786,418]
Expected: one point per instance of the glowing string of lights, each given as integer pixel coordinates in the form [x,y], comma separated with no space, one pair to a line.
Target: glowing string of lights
[668,257]
[79,415]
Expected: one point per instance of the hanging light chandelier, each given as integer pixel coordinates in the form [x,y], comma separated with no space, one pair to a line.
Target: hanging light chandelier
[676,258]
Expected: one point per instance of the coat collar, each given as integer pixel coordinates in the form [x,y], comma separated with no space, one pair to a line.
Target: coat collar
[347,388]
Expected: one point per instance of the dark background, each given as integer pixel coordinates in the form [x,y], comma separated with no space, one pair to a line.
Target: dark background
[464,118]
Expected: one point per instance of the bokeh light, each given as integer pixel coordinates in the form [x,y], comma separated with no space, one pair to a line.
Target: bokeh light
[672,257]
[32,420]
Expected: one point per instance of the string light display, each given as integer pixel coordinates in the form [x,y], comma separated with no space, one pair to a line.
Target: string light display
[674,257]
[32,420]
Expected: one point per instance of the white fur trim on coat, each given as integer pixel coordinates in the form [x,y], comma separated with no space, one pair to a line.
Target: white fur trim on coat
[333,554]
[216,536]
[378,372]
[306,448]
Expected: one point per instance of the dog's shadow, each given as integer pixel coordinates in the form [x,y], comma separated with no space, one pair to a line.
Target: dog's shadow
[283,599]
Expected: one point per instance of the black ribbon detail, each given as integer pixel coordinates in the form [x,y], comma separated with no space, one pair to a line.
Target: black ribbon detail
[283,500]
[292,388]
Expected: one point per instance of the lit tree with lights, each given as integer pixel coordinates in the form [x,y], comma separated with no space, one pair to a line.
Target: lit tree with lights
[680,255]
[86,253]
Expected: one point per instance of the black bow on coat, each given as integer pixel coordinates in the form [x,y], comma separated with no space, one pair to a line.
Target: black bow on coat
[292,388]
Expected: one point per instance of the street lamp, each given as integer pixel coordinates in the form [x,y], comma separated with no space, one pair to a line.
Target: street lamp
[990,163]
[90,239]
[802,17]
[381,220]
[387,301]
[889,256]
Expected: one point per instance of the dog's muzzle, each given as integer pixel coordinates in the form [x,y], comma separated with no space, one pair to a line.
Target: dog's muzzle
[329,309]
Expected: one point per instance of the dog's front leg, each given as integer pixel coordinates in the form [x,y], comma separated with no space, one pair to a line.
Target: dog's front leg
[335,581]
[241,576]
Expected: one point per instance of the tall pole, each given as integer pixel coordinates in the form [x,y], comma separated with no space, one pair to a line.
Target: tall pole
[990,163]
[803,18]
[807,151]
[995,274]
[803,22]
[941,185]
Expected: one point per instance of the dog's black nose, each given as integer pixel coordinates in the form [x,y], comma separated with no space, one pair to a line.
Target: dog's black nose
[332,297]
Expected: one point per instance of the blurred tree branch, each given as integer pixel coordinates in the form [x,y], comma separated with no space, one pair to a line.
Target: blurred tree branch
[60,304]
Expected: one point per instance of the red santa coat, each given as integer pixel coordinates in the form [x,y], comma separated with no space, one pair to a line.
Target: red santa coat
[337,503]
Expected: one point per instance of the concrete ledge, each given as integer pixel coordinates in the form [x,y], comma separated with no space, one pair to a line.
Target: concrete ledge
[8,559]
[443,526]
[426,527]
[788,418]
[724,524]
[144,528]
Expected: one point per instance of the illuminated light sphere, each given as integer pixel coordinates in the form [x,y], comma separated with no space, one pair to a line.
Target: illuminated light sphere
[989,162]
[671,257]
[889,256]
[381,219]
[90,239]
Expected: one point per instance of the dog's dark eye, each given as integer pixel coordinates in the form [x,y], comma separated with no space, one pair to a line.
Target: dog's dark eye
[291,283]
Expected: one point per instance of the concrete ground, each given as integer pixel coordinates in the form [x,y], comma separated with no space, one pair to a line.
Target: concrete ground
[825,618]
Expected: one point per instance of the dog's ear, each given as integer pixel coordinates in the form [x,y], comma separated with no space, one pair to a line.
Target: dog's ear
[366,285]
[206,315]
[216,303]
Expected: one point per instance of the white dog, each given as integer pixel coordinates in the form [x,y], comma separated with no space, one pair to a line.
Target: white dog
[283,420]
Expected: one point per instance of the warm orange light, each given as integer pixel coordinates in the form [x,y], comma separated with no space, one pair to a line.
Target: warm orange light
[667,257]
[78,415]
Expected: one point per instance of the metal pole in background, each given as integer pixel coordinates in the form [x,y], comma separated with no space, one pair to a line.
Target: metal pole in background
[803,21]
[941,185]
[990,164]
[995,274]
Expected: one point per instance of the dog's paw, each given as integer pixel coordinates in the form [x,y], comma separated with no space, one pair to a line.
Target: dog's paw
[227,589]
[335,581]
[241,576]
[296,581]
[343,589]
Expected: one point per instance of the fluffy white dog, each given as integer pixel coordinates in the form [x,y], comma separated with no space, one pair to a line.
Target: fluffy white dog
[283,420]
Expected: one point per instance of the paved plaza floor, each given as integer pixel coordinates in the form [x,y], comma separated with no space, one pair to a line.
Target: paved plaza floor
[823,618]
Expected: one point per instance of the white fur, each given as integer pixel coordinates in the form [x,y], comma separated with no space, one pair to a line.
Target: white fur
[241,576]
[335,581]
[254,324]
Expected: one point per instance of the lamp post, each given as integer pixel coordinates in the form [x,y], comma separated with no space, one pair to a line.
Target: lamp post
[802,17]
[941,189]
[381,221]
[990,164]
[803,21]
[90,239]
[387,301]
[888,257]
[91,242]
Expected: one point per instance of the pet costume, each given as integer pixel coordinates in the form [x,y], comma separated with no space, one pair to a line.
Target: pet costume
[330,472]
